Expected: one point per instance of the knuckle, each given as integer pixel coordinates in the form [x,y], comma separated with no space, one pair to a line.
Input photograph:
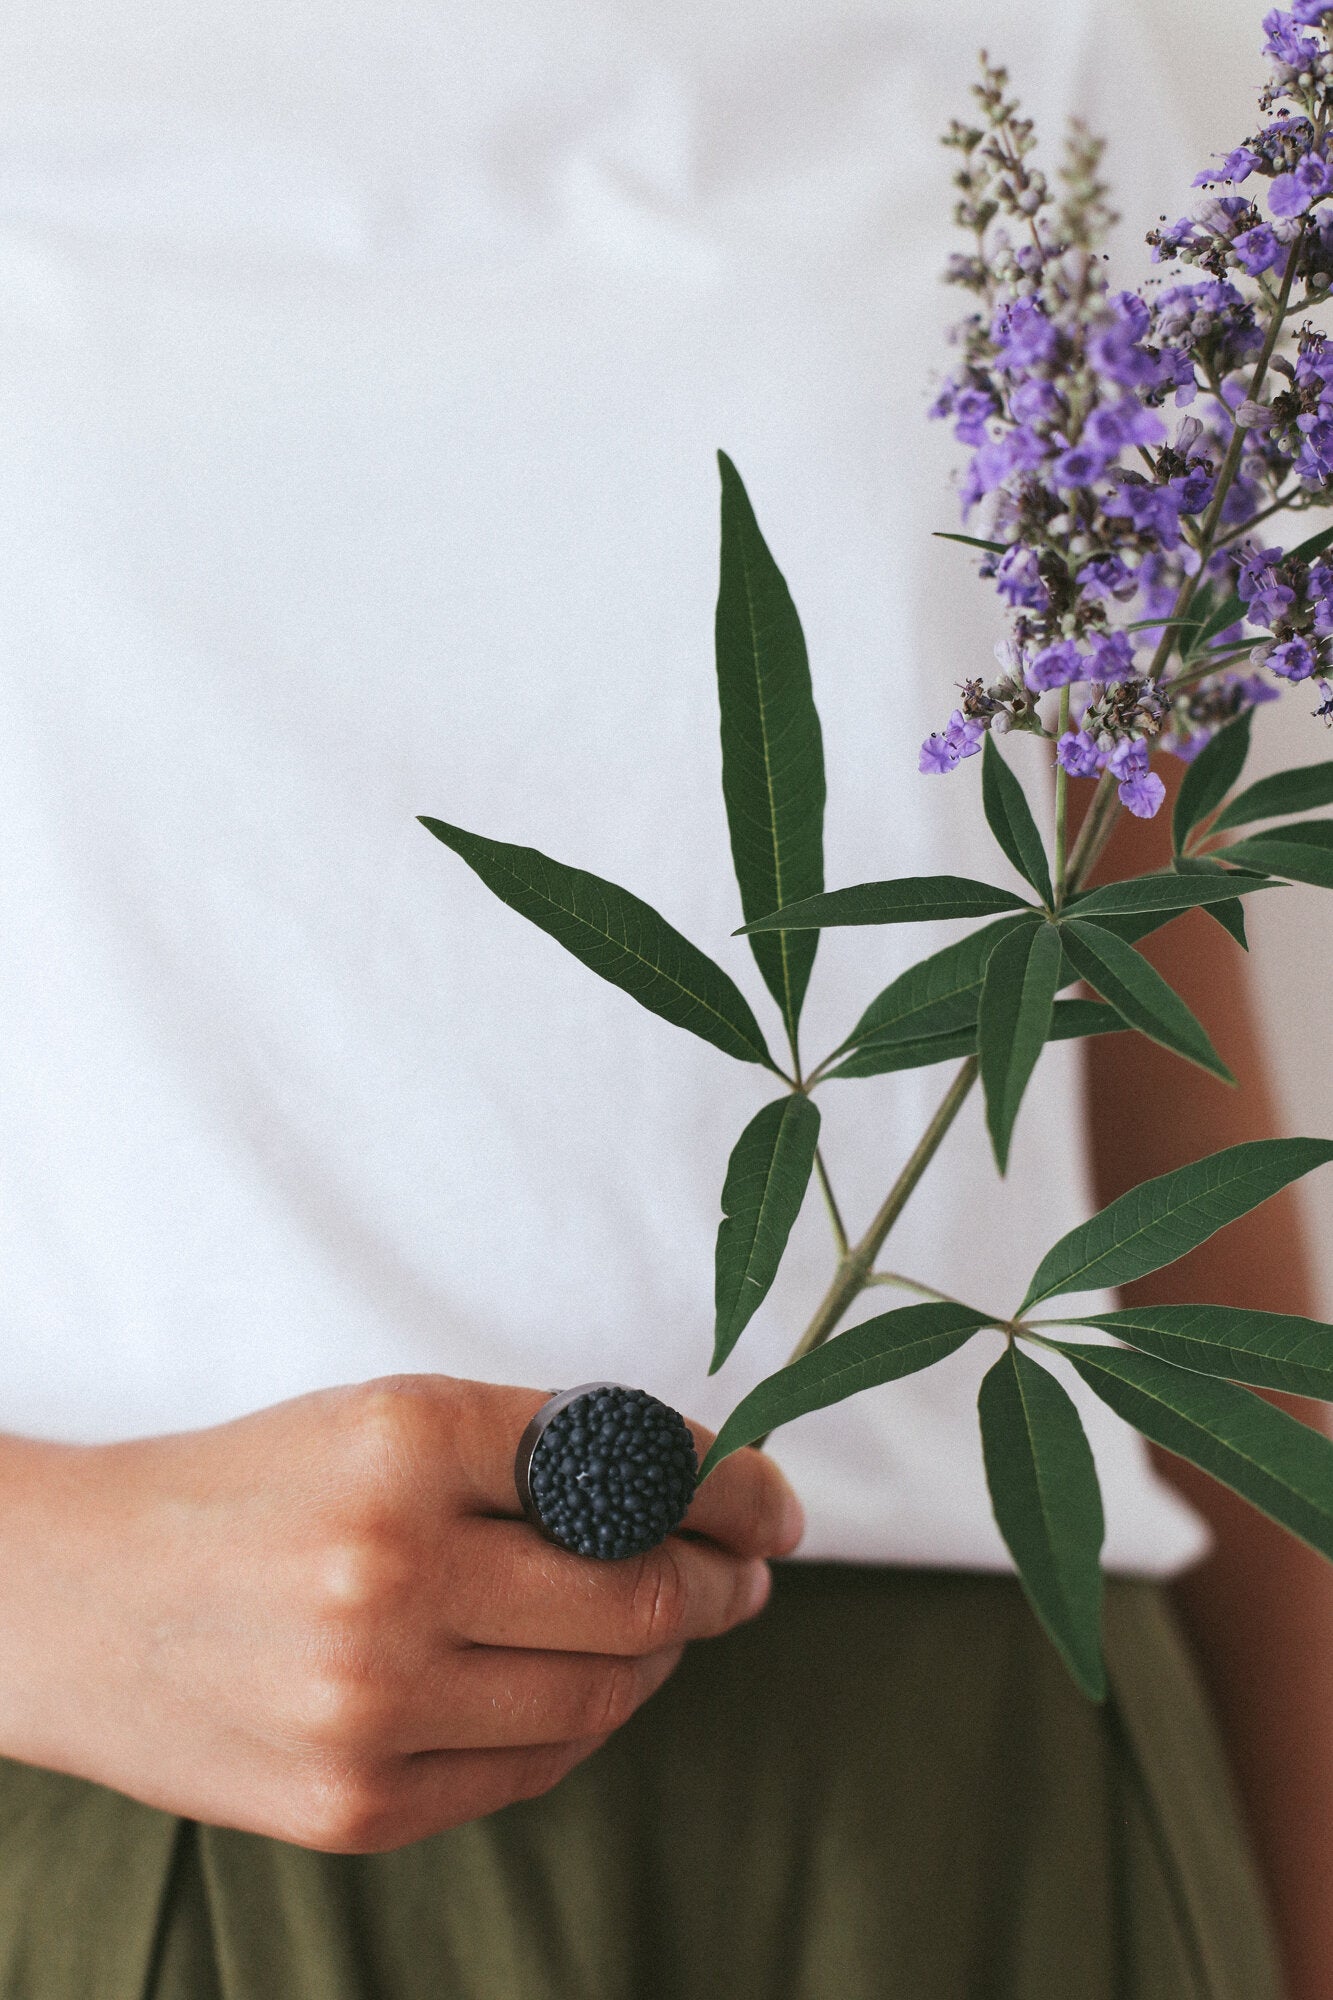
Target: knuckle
[658,1600]
[361,1575]
[354,1812]
[386,1427]
[342,1709]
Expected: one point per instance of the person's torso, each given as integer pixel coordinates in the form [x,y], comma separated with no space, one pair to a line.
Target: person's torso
[360,377]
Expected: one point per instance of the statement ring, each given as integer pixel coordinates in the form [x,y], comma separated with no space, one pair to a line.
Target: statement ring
[606,1471]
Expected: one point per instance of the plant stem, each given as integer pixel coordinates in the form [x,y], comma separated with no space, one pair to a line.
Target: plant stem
[1061,806]
[831,1202]
[1231,461]
[910,1285]
[855,1267]
[1277,506]
[1094,832]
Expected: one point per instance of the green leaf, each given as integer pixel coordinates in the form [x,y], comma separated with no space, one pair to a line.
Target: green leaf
[1009,817]
[937,994]
[885,1058]
[1075,1020]
[880,1350]
[1170,890]
[969,541]
[767,1177]
[1134,929]
[1210,777]
[915,899]
[1160,1220]
[1303,851]
[1202,605]
[772,750]
[1161,624]
[1269,1350]
[617,937]
[1302,790]
[1278,1464]
[1228,613]
[1231,914]
[1071,1020]
[1048,1506]
[1014,1022]
[1305,833]
[1139,994]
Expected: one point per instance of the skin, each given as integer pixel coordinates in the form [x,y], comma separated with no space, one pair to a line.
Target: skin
[324,1622]
[1260,1607]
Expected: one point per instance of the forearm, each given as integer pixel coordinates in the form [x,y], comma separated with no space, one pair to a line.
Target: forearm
[1260,1607]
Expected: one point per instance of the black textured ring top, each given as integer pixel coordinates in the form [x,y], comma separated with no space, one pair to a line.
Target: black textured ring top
[606,1471]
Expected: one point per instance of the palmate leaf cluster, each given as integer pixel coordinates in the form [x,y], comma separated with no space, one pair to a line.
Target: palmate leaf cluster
[992,1000]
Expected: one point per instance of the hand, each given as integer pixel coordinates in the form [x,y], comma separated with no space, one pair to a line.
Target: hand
[326,1622]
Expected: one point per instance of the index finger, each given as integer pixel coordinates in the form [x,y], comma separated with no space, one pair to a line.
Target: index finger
[746,1505]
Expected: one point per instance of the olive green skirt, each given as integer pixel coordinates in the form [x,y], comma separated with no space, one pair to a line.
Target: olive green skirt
[885,1787]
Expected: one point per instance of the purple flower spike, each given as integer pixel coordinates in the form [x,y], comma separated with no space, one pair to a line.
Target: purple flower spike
[1094,485]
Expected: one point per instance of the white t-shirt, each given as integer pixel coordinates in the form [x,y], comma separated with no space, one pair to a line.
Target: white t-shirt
[361,369]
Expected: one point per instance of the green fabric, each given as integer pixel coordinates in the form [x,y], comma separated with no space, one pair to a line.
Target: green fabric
[885,1787]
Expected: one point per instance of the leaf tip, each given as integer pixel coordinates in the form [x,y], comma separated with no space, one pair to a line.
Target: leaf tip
[1090,1679]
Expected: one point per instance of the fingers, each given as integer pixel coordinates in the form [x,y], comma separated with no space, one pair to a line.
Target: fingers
[513,1589]
[490,1697]
[481,1424]
[371,1809]
[746,1505]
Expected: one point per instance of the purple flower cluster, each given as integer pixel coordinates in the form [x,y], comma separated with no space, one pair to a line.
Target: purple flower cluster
[1123,445]
[1139,788]
[1293,598]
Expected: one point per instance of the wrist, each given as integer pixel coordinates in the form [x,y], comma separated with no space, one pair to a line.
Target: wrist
[52,1567]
